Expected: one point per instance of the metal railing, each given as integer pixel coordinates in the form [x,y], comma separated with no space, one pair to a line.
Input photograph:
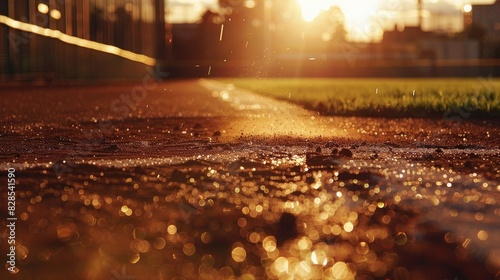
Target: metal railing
[59,39]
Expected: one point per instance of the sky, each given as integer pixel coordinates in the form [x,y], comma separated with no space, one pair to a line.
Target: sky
[365,19]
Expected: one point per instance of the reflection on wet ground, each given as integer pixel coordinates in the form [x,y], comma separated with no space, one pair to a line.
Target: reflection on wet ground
[259,215]
[225,192]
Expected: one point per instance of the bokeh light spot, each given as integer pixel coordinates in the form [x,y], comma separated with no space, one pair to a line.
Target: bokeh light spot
[239,254]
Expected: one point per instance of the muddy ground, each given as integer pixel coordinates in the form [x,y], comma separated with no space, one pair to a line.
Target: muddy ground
[197,179]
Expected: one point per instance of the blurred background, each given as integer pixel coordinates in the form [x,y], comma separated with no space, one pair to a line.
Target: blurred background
[52,40]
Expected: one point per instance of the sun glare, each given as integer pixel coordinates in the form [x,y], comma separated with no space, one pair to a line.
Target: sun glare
[310,9]
[358,14]
[360,21]
[355,10]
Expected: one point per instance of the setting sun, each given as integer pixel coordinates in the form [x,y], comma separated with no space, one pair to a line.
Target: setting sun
[310,9]
[358,14]
[353,10]
[360,21]
[358,10]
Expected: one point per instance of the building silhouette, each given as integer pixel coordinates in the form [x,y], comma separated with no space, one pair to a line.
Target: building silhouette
[486,27]
[488,17]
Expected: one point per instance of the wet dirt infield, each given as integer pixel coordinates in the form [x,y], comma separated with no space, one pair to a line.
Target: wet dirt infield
[197,179]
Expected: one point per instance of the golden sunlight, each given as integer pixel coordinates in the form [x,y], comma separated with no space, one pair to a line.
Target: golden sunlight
[358,14]
[35,29]
[310,9]
[359,17]
[354,10]
[359,10]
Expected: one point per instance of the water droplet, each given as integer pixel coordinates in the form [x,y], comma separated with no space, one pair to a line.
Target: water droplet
[401,238]
[239,254]
[482,235]
[189,249]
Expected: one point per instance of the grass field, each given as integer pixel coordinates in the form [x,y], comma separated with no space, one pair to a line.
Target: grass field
[471,97]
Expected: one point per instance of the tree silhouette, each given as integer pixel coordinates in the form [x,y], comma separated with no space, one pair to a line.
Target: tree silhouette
[332,24]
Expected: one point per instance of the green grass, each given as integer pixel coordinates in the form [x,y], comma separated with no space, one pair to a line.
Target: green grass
[471,97]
